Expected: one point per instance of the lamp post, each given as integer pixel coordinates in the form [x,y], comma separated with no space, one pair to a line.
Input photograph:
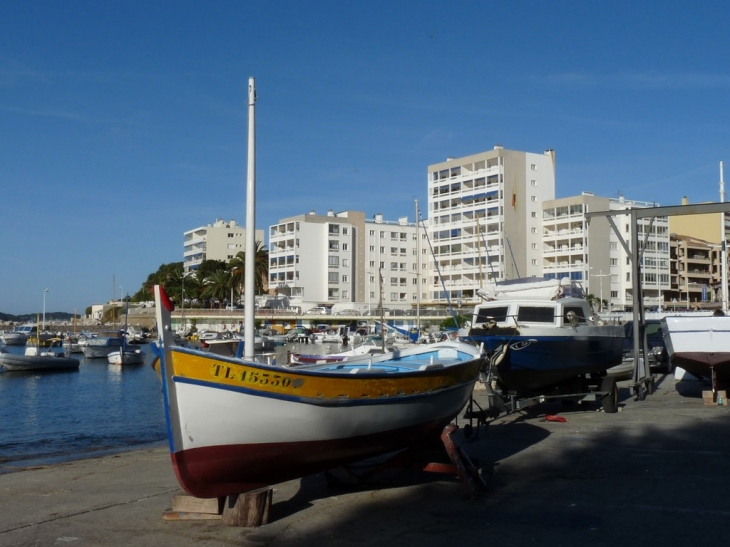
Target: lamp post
[44,308]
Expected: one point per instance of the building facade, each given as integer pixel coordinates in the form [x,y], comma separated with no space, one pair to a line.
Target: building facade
[592,253]
[485,220]
[221,240]
[339,258]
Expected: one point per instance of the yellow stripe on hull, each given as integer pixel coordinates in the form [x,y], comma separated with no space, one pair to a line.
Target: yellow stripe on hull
[281,381]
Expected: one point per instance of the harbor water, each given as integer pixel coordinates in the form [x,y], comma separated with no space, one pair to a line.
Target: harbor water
[51,417]
[48,417]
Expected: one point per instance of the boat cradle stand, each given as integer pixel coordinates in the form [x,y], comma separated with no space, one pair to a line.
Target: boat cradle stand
[248,509]
[461,465]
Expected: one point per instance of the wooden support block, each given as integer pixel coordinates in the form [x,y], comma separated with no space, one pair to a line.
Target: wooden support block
[708,396]
[182,515]
[722,397]
[248,509]
[190,504]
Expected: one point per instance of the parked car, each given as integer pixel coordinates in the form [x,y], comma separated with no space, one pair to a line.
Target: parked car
[317,310]
[655,348]
[347,312]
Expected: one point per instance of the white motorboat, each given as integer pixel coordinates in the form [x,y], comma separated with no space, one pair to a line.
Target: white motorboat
[126,357]
[700,345]
[102,344]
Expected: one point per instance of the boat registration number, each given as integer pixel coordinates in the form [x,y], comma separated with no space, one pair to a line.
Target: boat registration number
[255,377]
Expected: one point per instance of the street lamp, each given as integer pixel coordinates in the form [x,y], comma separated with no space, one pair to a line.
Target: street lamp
[44,308]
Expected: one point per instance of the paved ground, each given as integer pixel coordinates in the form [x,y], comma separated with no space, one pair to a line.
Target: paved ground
[658,472]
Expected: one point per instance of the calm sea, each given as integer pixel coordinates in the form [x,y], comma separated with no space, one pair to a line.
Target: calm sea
[50,417]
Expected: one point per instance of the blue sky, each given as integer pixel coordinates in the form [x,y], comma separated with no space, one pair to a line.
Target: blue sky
[124,123]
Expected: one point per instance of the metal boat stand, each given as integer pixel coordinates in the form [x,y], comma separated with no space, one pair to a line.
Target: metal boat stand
[413,459]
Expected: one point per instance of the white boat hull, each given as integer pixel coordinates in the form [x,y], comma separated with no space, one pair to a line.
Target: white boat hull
[700,345]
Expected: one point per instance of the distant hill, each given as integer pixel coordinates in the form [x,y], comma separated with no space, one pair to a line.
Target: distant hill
[31,317]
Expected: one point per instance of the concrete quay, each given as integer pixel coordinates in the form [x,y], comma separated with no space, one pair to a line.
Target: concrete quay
[657,472]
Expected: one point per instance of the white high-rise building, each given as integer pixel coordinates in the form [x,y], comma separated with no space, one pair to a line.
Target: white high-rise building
[338,258]
[221,240]
[592,254]
[485,219]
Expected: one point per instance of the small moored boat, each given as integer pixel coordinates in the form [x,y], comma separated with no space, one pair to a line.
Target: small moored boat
[35,360]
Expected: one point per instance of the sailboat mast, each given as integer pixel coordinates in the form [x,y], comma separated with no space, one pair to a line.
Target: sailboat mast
[249,279]
[418,271]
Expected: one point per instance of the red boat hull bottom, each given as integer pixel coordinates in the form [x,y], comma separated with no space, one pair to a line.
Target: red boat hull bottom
[701,364]
[217,471]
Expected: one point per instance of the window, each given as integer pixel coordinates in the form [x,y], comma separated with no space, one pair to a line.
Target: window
[535,314]
[393,266]
[333,277]
[334,229]
[533,183]
[533,167]
[534,245]
[614,262]
[533,214]
[393,296]
[498,314]
[534,262]
[344,246]
[345,263]
[334,246]
[344,294]
[533,199]
[333,261]
[372,232]
[344,279]
[533,230]
[344,231]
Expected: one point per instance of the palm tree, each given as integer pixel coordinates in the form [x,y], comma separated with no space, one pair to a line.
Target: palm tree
[593,301]
[217,285]
[237,267]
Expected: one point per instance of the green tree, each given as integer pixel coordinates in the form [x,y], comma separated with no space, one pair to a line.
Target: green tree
[237,267]
[217,285]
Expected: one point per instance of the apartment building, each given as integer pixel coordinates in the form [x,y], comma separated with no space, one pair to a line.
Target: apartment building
[591,252]
[221,240]
[339,258]
[485,219]
[695,240]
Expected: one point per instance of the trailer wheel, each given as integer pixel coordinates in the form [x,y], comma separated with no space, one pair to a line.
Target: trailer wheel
[610,399]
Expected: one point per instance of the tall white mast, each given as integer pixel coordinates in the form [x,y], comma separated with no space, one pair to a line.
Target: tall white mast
[250,280]
[723,249]
[418,271]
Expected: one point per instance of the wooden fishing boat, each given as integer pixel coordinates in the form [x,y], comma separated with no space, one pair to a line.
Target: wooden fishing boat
[236,425]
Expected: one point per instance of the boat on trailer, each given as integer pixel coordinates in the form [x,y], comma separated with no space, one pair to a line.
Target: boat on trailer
[236,425]
[701,346]
[545,340]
